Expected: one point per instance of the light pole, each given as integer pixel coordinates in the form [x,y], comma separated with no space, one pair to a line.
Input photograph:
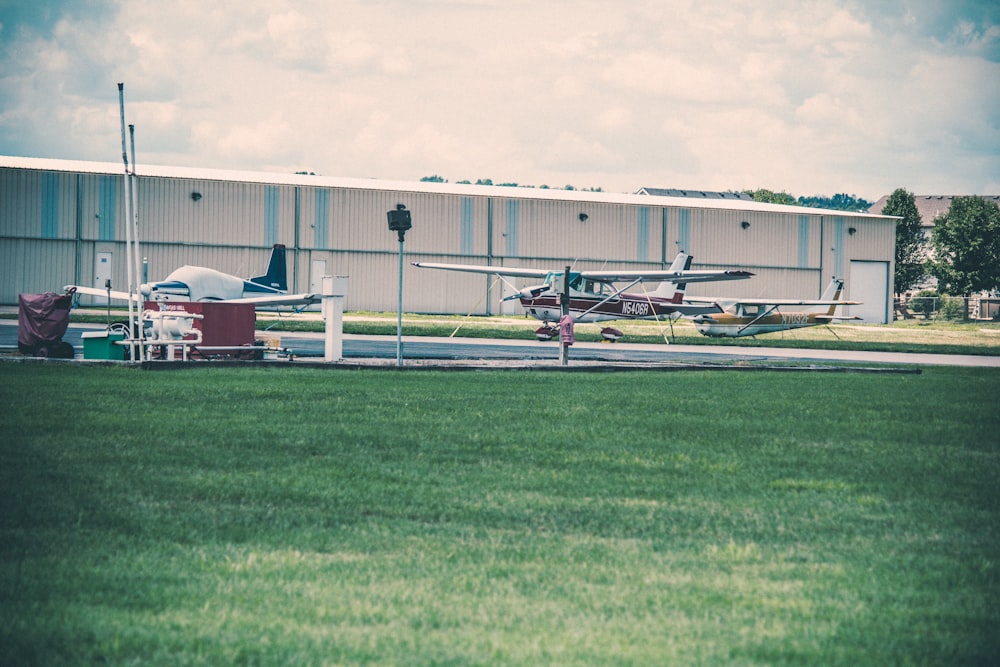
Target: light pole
[399,222]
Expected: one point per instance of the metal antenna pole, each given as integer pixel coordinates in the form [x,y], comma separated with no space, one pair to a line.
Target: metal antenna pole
[128,225]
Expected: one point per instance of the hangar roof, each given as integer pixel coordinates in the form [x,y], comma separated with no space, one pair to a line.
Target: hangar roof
[47,164]
[704,194]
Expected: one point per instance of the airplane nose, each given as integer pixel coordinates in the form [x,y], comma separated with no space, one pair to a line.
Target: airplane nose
[145,289]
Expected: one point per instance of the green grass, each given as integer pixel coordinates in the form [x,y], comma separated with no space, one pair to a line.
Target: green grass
[267,516]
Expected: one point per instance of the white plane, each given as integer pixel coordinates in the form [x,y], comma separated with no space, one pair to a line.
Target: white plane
[594,296]
[749,317]
[198,283]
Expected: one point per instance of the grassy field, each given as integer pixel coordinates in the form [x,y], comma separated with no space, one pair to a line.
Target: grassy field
[265,516]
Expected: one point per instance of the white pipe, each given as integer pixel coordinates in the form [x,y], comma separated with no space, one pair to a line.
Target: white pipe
[128,226]
[135,227]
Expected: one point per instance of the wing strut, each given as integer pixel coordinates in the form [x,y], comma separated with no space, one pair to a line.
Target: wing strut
[757,319]
[608,298]
[673,339]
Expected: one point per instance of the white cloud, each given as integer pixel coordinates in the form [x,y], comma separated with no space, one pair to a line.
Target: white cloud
[825,96]
[267,139]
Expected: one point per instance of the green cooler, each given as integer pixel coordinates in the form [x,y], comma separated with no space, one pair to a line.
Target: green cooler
[103,345]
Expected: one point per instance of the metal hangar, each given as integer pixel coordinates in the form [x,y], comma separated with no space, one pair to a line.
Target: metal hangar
[61,222]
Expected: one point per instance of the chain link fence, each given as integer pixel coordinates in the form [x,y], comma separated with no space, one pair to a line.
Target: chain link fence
[948,308]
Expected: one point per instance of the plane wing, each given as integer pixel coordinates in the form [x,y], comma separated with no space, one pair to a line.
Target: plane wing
[770,302]
[279,300]
[599,275]
[94,291]
[492,270]
[796,302]
[264,300]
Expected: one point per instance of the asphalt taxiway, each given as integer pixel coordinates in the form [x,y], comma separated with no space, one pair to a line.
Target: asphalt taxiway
[425,350]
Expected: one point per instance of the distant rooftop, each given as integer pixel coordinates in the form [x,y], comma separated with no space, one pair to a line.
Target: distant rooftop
[699,194]
[929,206]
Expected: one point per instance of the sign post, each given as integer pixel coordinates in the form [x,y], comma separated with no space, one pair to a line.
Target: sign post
[399,222]
[565,322]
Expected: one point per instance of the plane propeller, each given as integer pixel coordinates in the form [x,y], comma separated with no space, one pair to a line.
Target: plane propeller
[527,292]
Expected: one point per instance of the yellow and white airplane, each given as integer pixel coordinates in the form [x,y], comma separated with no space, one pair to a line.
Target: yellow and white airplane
[750,317]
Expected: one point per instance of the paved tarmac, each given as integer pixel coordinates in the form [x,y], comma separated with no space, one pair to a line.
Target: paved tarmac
[424,351]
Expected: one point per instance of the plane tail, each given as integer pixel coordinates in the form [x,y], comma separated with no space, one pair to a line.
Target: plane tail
[832,293]
[277,272]
[675,291]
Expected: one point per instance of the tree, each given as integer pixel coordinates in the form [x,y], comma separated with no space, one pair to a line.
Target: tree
[434,179]
[966,244]
[839,202]
[911,244]
[768,197]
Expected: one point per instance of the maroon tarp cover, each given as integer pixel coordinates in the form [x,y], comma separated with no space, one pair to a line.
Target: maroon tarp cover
[42,318]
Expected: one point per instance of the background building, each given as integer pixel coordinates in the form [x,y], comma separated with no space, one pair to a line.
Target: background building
[61,222]
[929,207]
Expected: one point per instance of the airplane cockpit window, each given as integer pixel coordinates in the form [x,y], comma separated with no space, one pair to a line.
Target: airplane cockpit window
[555,279]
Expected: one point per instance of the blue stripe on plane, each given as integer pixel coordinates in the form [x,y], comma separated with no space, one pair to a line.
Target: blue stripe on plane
[249,286]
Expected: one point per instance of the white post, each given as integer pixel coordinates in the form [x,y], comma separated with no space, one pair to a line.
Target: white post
[334,291]
[137,351]
[133,187]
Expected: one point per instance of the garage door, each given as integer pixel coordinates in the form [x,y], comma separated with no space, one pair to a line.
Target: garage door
[869,283]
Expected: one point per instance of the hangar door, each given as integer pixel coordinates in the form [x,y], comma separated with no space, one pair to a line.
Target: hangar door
[102,275]
[869,283]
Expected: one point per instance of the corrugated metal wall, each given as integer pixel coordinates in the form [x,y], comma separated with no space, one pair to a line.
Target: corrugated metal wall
[53,223]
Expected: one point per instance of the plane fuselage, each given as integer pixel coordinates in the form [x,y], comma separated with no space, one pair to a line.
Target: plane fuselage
[586,308]
[732,326]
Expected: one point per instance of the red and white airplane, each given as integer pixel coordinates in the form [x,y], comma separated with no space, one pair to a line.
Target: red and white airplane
[594,297]
[749,317]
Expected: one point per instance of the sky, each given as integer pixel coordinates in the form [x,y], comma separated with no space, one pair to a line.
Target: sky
[809,97]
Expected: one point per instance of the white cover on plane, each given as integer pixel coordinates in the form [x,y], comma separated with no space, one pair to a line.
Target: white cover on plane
[208,284]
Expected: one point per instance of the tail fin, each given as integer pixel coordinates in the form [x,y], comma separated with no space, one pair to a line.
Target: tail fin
[277,273]
[832,293]
[675,291]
